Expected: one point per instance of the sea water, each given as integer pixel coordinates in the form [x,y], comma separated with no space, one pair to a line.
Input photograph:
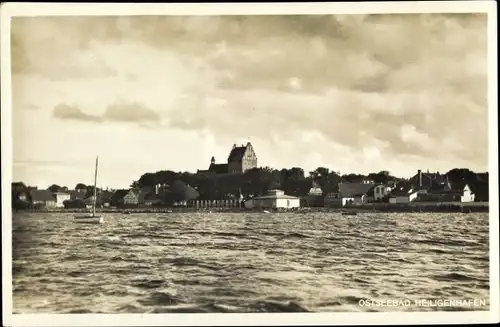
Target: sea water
[250,262]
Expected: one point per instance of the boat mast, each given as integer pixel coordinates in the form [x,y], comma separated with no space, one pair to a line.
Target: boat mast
[95,186]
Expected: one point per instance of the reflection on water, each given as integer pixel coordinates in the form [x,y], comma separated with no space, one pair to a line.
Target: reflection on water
[246,262]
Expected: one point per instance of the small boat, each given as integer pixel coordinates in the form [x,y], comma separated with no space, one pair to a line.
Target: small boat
[92,217]
[349,213]
[89,219]
[265,211]
[127,212]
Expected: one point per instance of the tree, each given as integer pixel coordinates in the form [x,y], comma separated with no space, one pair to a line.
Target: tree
[182,192]
[80,186]
[18,204]
[461,175]
[54,188]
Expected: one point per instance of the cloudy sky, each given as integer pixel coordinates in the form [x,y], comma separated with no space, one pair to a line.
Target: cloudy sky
[355,93]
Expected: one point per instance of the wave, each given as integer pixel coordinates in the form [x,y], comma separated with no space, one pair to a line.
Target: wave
[275,306]
[450,277]
[148,283]
[187,262]
[295,235]
[206,308]
[160,298]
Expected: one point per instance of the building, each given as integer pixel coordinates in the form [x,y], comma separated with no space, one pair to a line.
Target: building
[143,192]
[332,199]
[118,197]
[315,196]
[43,198]
[449,192]
[423,180]
[403,193]
[355,193]
[275,199]
[153,199]
[157,196]
[131,198]
[60,198]
[240,159]
[379,192]
[467,194]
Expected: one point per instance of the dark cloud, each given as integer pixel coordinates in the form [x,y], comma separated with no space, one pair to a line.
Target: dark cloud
[64,111]
[122,112]
[130,112]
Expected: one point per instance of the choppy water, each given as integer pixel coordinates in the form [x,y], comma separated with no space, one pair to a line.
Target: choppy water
[247,262]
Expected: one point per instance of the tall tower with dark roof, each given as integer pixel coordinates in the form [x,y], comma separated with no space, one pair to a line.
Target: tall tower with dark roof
[241,159]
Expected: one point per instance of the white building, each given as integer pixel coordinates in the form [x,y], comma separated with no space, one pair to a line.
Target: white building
[60,198]
[467,195]
[380,191]
[405,193]
[273,200]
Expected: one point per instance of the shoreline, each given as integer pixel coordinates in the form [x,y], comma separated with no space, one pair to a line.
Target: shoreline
[368,208]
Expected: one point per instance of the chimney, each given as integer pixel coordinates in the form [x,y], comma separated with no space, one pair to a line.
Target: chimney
[212,161]
[419,178]
[234,145]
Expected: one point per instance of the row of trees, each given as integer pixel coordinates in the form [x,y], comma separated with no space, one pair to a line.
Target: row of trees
[257,181]
[293,181]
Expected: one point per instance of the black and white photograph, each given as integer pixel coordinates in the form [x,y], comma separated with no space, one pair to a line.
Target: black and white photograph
[278,162]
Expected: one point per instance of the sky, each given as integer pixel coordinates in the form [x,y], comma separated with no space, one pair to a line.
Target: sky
[354,93]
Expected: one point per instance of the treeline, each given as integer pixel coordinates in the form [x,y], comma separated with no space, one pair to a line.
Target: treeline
[293,181]
[258,181]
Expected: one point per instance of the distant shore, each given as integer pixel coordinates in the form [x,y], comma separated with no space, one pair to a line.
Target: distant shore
[365,208]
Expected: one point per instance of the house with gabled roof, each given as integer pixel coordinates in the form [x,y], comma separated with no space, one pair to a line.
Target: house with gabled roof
[118,197]
[154,199]
[61,197]
[143,192]
[43,198]
[355,192]
[240,159]
[378,192]
[403,192]
[449,192]
[423,180]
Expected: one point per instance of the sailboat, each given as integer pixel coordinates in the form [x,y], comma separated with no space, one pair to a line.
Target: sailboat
[92,217]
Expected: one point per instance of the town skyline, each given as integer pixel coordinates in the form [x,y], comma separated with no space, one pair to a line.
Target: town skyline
[168,93]
[71,186]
